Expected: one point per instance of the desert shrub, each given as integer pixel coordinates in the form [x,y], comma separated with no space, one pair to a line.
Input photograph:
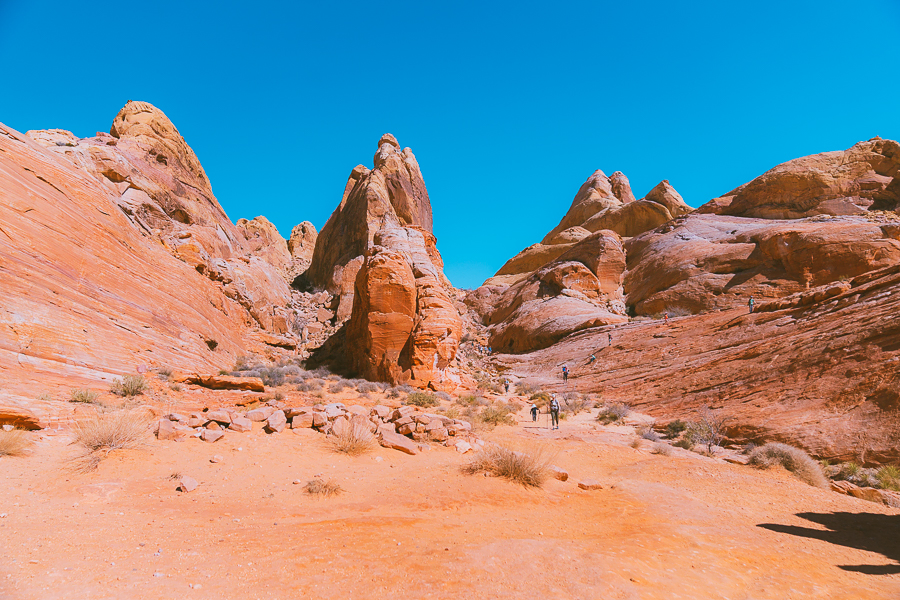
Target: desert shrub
[452,412]
[422,399]
[648,433]
[662,449]
[635,443]
[855,474]
[367,387]
[321,487]
[612,413]
[45,397]
[164,373]
[175,387]
[110,431]
[525,389]
[527,469]
[393,393]
[750,447]
[496,415]
[675,428]
[541,399]
[443,396]
[678,311]
[310,385]
[334,377]
[84,395]
[278,397]
[353,440]
[467,400]
[575,403]
[686,442]
[14,443]
[337,387]
[889,478]
[793,459]
[709,430]
[129,386]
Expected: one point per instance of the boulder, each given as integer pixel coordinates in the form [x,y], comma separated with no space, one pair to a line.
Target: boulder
[241,424]
[302,421]
[260,414]
[219,415]
[396,441]
[222,382]
[211,435]
[276,422]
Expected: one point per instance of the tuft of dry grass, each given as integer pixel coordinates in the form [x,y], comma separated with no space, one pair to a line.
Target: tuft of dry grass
[612,413]
[14,443]
[530,469]
[109,431]
[353,440]
[129,386]
[662,449]
[84,395]
[793,459]
[494,415]
[321,487]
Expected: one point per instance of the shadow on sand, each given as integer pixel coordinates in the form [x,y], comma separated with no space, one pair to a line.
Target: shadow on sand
[863,531]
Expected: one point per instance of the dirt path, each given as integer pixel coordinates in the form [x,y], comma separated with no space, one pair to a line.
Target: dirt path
[682,526]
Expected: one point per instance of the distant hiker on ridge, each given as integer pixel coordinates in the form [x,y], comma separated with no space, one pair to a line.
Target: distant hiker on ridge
[565,373]
[666,317]
[609,335]
[592,359]
[751,303]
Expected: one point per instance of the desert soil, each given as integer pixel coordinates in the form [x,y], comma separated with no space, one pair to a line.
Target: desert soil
[679,526]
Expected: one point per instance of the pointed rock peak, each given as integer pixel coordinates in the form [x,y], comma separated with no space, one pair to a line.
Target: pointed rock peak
[621,187]
[666,195]
[389,139]
[142,118]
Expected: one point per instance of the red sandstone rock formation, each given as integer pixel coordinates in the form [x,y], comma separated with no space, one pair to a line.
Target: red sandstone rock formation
[377,251]
[862,178]
[601,203]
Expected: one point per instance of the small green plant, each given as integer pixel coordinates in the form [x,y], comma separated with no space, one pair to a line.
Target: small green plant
[84,395]
[889,478]
[793,459]
[129,386]
[422,399]
[675,428]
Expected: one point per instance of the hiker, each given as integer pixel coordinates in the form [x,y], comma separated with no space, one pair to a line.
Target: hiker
[490,351]
[609,335]
[592,359]
[534,411]
[750,304]
[666,317]
[565,374]
[554,412]
[506,385]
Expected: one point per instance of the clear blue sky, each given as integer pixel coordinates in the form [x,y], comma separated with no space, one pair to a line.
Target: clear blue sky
[509,106]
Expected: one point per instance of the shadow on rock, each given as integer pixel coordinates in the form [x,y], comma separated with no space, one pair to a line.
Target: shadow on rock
[863,531]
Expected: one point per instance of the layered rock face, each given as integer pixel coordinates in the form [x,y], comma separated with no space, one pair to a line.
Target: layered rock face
[582,288]
[601,203]
[156,180]
[863,178]
[378,254]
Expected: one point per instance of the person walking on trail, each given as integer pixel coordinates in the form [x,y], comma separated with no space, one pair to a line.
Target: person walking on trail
[592,359]
[751,303]
[666,317]
[565,372]
[506,385]
[534,411]
[609,335]
[554,412]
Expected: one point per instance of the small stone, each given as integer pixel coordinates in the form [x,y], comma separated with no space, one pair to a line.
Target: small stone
[319,419]
[217,458]
[241,424]
[438,435]
[381,411]
[297,482]
[590,484]
[211,435]
[406,429]
[214,425]
[324,315]
[276,422]
[559,473]
[187,484]
[340,426]
[377,459]
[8,427]
[463,446]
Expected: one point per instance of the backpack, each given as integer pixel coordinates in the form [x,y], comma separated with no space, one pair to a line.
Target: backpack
[554,404]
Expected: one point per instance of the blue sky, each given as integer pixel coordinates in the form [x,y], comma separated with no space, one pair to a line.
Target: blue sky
[508,106]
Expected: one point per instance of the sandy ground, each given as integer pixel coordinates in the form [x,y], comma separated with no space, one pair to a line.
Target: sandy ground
[682,526]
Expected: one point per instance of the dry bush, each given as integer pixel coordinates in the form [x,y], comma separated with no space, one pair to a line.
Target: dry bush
[164,373]
[675,428]
[108,431]
[530,469]
[84,395]
[321,487]
[636,443]
[541,399]
[612,413]
[709,430]
[337,387]
[525,389]
[422,399]
[793,459]
[443,396]
[575,403]
[367,387]
[678,311]
[662,449]
[128,386]
[889,478]
[14,443]
[686,442]
[496,415]
[354,440]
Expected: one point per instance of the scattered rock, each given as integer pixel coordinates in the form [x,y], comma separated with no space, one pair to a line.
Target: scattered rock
[398,442]
[276,422]
[217,458]
[590,484]
[241,424]
[187,484]
[211,435]
[559,473]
